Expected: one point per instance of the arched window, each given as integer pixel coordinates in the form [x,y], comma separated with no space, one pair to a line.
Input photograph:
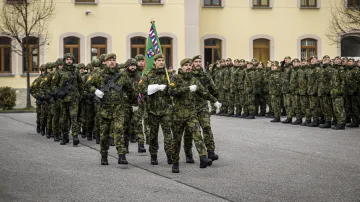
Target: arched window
[166,46]
[98,47]
[72,45]
[261,50]
[137,45]
[212,50]
[350,46]
[5,55]
[308,48]
[33,56]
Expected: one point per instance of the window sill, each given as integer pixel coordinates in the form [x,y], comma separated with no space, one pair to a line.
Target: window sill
[86,3]
[6,75]
[158,4]
[213,6]
[309,7]
[262,7]
[31,74]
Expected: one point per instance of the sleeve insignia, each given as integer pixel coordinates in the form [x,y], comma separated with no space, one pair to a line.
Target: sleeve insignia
[53,77]
[172,84]
[140,81]
[46,79]
[89,78]
[35,84]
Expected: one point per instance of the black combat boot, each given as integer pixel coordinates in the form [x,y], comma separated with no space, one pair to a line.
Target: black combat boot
[275,120]
[111,141]
[154,160]
[76,140]
[104,159]
[175,168]
[83,134]
[353,125]
[38,128]
[327,124]
[190,159]
[48,134]
[89,136]
[236,115]
[42,132]
[97,138]
[297,122]
[322,120]
[127,149]
[230,114]
[315,123]
[283,113]
[212,155]
[348,120]
[132,138]
[205,162]
[287,121]
[271,115]
[169,160]
[122,159]
[333,123]
[261,114]
[63,141]
[141,148]
[56,138]
[244,115]
[306,123]
[213,112]
[338,127]
[251,116]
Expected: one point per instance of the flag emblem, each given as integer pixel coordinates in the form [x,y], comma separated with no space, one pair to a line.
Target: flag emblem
[150,53]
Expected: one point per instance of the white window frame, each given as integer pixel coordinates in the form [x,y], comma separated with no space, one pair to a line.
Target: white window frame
[162,2]
[83,56]
[309,36]
[88,3]
[222,4]
[261,36]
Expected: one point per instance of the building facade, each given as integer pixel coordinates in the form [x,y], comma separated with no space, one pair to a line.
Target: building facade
[243,29]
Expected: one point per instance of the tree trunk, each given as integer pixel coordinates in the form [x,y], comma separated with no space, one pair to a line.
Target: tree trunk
[28,100]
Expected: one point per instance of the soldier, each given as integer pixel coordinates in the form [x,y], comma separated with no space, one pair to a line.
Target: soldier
[270,113]
[324,87]
[352,88]
[52,101]
[227,104]
[288,98]
[89,107]
[235,88]
[220,79]
[35,92]
[153,85]
[251,89]
[45,98]
[275,83]
[294,88]
[229,83]
[312,85]
[96,119]
[102,61]
[242,92]
[185,89]
[337,85]
[263,88]
[57,104]
[304,104]
[214,75]
[111,110]
[81,112]
[69,86]
[140,59]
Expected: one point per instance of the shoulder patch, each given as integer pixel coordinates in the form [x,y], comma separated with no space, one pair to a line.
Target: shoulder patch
[172,84]
[35,83]
[53,77]
[89,78]
[45,78]
[140,81]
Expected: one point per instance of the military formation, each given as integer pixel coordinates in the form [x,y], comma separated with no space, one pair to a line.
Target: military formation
[315,93]
[116,104]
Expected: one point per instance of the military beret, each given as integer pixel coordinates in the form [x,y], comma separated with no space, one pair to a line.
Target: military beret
[237,60]
[102,57]
[222,60]
[344,58]
[303,59]
[139,57]
[158,56]
[229,59]
[186,60]
[351,59]
[48,65]
[89,66]
[248,62]
[59,61]
[254,60]
[196,57]
[287,57]
[130,62]
[43,67]
[326,56]
[296,60]
[95,63]
[68,55]
[314,56]
[274,63]
[110,56]
[81,66]
[53,64]
[242,60]
[337,57]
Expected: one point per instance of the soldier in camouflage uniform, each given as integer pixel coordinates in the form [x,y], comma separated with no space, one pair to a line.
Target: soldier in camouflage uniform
[294,89]
[242,92]
[56,109]
[275,83]
[154,85]
[312,84]
[69,85]
[352,90]
[111,108]
[214,71]
[234,88]
[270,113]
[324,87]
[89,107]
[82,104]
[337,85]
[263,88]
[219,82]
[231,71]
[185,89]
[45,99]
[287,94]
[303,96]
[96,119]
[52,101]
[35,92]
[252,83]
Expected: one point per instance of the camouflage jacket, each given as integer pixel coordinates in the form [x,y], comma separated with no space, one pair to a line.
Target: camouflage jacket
[294,81]
[218,80]
[241,78]
[35,87]
[185,101]
[312,84]
[158,103]
[251,81]
[337,82]
[263,81]
[302,80]
[112,104]
[286,79]
[324,76]
[234,87]
[352,77]
[45,86]
[206,81]
[275,83]
[68,76]
[227,78]
[134,80]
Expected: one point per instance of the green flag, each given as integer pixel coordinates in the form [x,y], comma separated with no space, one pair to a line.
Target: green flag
[153,47]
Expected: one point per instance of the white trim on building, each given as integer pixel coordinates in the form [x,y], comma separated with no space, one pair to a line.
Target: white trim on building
[261,36]
[83,56]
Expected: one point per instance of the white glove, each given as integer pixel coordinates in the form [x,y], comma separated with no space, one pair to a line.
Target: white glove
[135,108]
[99,93]
[153,88]
[161,87]
[193,88]
[217,104]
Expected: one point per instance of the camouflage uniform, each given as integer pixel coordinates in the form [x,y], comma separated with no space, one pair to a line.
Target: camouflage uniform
[337,84]
[218,80]
[252,89]
[96,105]
[231,92]
[242,92]
[34,91]
[288,98]
[82,113]
[304,104]
[351,91]
[264,91]
[56,109]
[312,89]
[324,78]
[275,84]
[294,89]
[227,105]
[235,88]
[45,98]
[89,107]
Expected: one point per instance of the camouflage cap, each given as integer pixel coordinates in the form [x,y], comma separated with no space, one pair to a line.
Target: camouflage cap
[53,64]
[95,63]
[275,63]
[254,60]
[158,56]
[242,60]
[139,57]
[59,61]
[130,62]
[110,56]
[81,66]
[68,55]
[303,59]
[89,66]
[248,62]
[296,60]
[184,61]
[287,57]
[337,57]
[352,59]
[43,67]
[237,60]
[196,57]
[228,60]
[102,57]
[222,60]
[314,56]
[48,65]
[326,56]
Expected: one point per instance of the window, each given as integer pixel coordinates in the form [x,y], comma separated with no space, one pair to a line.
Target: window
[84,1]
[216,3]
[350,46]
[151,1]
[166,46]
[98,47]
[72,45]
[308,3]
[353,3]
[212,49]
[138,46]
[261,3]
[308,48]
[261,50]
[33,56]
[5,55]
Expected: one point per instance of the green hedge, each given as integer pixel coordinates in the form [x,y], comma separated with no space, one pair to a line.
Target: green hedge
[7,98]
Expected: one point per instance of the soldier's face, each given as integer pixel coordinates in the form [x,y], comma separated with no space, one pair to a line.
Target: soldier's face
[260,66]
[358,63]
[222,63]
[186,67]
[197,63]
[111,63]
[287,61]
[241,63]
[326,60]
[344,62]
[314,61]
[337,61]
[350,62]
[82,70]
[60,66]
[48,70]
[217,65]
[304,62]
[132,68]
[54,68]
[236,63]
[69,61]
[274,67]
[140,63]
[160,63]
[296,64]
[228,62]
[249,66]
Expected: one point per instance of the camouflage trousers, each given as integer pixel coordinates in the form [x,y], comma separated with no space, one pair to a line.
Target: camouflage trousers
[203,118]
[263,97]
[268,102]
[339,110]
[113,127]
[297,107]
[69,113]
[289,105]
[224,99]
[154,123]
[326,107]
[240,101]
[139,127]
[276,105]
[45,116]
[314,107]
[38,114]
[128,126]
[88,117]
[96,130]
[56,110]
[252,101]
[352,108]
[304,105]
[192,128]
[231,103]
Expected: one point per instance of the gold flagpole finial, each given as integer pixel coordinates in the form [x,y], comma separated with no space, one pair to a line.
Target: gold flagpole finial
[152,19]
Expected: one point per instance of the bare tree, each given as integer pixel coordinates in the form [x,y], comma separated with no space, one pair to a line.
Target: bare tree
[344,20]
[22,19]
